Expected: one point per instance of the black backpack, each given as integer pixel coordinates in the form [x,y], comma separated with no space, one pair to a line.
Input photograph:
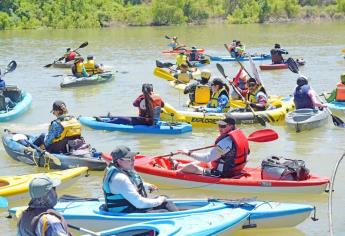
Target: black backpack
[279,168]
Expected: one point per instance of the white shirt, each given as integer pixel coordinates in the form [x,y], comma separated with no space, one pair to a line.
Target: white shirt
[121,184]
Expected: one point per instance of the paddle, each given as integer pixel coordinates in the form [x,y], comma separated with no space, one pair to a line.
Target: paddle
[83,45]
[10,67]
[294,68]
[161,73]
[256,117]
[48,155]
[3,202]
[343,50]
[164,65]
[83,230]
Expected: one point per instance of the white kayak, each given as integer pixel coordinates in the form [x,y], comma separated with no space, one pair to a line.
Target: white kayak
[306,119]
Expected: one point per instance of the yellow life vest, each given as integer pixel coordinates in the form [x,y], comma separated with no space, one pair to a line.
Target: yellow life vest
[79,67]
[181,59]
[251,97]
[202,94]
[71,127]
[214,98]
[184,77]
[90,67]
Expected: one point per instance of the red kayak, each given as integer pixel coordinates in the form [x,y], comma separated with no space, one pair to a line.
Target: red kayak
[273,66]
[176,51]
[249,181]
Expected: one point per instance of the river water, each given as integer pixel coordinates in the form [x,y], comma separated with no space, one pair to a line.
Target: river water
[134,50]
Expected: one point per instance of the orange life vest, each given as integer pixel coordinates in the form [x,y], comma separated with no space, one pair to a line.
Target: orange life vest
[340,93]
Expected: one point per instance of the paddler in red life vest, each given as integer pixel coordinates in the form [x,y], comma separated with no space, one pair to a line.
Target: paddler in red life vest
[149,104]
[338,94]
[226,159]
[70,55]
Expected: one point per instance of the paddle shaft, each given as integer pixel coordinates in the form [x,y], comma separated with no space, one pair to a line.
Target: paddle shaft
[83,230]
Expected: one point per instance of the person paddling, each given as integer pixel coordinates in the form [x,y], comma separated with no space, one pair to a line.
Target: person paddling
[184,76]
[125,191]
[226,159]
[199,91]
[175,45]
[256,95]
[7,102]
[70,55]
[78,68]
[240,82]
[91,67]
[220,98]
[338,94]
[40,218]
[277,54]
[305,96]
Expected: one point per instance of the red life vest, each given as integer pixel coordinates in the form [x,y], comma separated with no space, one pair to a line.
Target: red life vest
[71,56]
[234,160]
[340,95]
[156,102]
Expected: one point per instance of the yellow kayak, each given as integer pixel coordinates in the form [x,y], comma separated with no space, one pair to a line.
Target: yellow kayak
[200,119]
[16,187]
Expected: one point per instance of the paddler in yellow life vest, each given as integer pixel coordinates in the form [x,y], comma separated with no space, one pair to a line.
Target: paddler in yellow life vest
[256,96]
[91,67]
[220,98]
[78,69]
[338,94]
[200,91]
[183,76]
[61,130]
[181,58]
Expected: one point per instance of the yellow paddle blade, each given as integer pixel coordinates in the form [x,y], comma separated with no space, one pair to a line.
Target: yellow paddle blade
[343,50]
[161,73]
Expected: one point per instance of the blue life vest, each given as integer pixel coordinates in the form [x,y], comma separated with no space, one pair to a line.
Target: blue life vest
[2,84]
[301,97]
[116,202]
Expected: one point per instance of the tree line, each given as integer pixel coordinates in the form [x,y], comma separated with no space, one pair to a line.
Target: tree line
[32,14]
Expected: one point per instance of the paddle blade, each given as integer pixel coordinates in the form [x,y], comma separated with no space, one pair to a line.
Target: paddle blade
[260,120]
[167,37]
[292,65]
[54,159]
[11,66]
[221,69]
[48,65]
[83,45]
[337,121]
[3,202]
[263,135]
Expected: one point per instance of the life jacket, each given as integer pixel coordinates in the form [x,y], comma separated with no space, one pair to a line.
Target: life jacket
[116,202]
[194,56]
[301,97]
[234,160]
[184,77]
[71,128]
[30,218]
[157,103]
[340,92]
[240,83]
[90,67]
[71,56]
[202,94]
[251,97]
[79,67]
[214,98]
[277,57]
[2,84]
[181,59]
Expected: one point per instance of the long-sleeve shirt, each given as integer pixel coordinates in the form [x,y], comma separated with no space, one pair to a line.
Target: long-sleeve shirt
[223,101]
[121,184]
[54,226]
[55,131]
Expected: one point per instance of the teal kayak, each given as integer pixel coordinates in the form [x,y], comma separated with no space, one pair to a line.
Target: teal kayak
[89,213]
[72,81]
[245,58]
[338,108]
[22,102]
[162,127]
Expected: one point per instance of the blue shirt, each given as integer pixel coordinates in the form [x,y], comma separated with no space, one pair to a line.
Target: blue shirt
[54,227]
[223,101]
[55,131]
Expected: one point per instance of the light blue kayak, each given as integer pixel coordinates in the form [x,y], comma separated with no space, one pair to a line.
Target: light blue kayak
[230,58]
[161,127]
[87,213]
[207,224]
[338,108]
[21,107]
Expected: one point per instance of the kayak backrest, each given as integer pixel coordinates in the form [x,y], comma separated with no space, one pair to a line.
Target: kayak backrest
[3,183]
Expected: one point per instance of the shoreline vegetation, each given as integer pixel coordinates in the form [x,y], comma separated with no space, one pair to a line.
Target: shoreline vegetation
[64,14]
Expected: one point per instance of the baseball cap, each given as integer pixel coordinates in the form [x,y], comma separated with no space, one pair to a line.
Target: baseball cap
[41,185]
[57,105]
[217,81]
[228,120]
[121,152]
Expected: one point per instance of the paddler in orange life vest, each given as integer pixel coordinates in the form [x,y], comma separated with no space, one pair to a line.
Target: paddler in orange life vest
[338,94]
[149,104]
[70,55]
[226,159]
[256,96]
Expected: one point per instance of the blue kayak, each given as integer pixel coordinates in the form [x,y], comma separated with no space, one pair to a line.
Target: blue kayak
[230,58]
[89,214]
[22,100]
[338,108]
[161,127]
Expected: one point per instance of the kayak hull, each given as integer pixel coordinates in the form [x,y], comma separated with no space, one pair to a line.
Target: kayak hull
[200,119]
[71,81]
[273,66]
[16,187]
[199,50]
[229,58]
[306,119]
[20,108]
[63,65]
[337,108]
[20,153]
[152,168]
[161,127]
[264,215]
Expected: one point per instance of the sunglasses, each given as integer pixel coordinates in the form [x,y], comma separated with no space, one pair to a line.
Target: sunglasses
[222,126]
[127,159]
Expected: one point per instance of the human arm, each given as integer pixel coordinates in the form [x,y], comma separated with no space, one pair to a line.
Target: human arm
[150,187]
[283,51]
[316,102]
[262,101]
[223,101]
[55,131]
[120,184]
[137,101]
[50,225]
[83,71]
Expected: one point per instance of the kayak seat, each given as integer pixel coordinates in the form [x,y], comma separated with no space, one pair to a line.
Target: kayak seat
[163,163]
[13,92]
[3,183]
